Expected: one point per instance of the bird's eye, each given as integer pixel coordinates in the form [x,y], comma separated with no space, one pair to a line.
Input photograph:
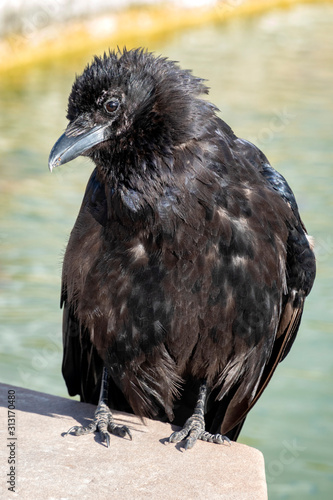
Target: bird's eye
[111,106]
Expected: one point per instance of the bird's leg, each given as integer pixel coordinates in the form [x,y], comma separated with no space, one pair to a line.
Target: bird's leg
[103,420]
[194,427]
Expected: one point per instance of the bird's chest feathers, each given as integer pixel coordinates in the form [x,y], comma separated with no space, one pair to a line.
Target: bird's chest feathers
[147,262]
[132,257]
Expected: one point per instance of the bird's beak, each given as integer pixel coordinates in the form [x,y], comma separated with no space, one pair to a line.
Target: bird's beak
[70,146]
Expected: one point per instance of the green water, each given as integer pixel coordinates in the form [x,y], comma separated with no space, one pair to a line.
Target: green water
[272,78]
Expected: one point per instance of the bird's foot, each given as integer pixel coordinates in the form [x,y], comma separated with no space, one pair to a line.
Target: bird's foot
[103,423]
[193,430]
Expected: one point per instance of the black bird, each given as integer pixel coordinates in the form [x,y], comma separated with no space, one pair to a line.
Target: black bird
[186,271]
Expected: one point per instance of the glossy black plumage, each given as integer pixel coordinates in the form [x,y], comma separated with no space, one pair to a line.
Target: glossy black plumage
[188,262]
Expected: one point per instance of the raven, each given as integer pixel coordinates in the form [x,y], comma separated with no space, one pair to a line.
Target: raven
[185,274]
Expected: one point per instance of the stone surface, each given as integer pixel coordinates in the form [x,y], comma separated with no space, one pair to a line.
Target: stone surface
[51,466]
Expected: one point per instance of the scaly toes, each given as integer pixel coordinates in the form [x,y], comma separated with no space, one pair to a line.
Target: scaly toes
[214,438]
[119,430]
[193,428]
[79,430]
[104,424]
[178,436]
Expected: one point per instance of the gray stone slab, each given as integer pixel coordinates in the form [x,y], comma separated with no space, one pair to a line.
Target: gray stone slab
[51,466]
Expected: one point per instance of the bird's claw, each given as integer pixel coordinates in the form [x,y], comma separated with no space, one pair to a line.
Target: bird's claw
[120,430]
[104,424]
[80,430]
[193,430]
[214,438]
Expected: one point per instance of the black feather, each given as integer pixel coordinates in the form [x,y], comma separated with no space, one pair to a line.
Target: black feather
[188,260]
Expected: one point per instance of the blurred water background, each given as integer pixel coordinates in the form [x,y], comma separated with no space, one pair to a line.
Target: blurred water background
[272,78]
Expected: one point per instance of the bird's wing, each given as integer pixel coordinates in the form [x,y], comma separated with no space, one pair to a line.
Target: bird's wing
[235,406]
[300,269]
[232,411]
[81,366]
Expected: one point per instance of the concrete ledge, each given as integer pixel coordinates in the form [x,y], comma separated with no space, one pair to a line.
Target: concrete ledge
[50,466]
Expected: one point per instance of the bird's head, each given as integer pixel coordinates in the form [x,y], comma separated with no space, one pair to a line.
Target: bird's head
[130,101]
